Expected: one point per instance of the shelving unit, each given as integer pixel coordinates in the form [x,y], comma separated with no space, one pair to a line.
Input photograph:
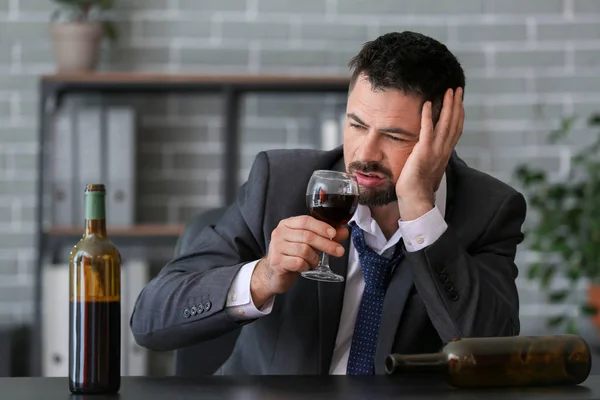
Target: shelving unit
[149,235]
[138,230]
[232,88]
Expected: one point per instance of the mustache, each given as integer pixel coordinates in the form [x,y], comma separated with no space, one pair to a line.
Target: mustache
[369,166]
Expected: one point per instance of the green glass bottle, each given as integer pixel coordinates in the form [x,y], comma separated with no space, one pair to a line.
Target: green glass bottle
[502,361]
[95,304]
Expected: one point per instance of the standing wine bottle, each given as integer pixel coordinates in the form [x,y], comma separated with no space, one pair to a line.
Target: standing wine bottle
[95,304]
[502,361]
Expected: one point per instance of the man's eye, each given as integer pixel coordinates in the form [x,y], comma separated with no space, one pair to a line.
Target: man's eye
[395,138]
[356,126]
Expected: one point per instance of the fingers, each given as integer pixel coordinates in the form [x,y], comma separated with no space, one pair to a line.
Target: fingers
[459,128]
[456,111]
[310,224]
[284,257]
[449,127]
[303,251]
[287,264]
[457,118]
[296,246]
[313,240]
[443,125]
[341,235]
[426,134]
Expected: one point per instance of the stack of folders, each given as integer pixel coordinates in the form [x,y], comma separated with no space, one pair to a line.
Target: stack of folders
[82,154]
[55,319]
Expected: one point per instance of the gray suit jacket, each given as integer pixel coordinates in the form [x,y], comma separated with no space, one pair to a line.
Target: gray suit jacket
[462,285]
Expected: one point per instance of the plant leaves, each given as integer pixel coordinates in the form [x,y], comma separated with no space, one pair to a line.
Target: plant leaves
[566,125]
[555,321]
[534,271]
[111,31]
[572,328]
[594,119]
[105,4]
[547,276]
[558,296]
[564,227]
[588,310]
[529,176]
[574,274]
[74,3]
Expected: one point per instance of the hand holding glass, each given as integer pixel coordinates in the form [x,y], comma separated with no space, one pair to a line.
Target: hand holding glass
[331,197]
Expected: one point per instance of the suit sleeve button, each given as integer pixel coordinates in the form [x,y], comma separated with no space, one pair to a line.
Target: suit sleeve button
[453,295]
[186,313]
[207,305]
[194,310]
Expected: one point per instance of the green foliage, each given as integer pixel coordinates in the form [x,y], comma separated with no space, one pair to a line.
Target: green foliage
[567,232]
[82,10]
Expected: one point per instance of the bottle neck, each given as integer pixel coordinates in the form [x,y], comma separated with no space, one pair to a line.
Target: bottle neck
[95,214]
[396,363]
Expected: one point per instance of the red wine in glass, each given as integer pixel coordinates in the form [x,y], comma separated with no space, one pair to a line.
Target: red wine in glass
[331,197]
[334,209]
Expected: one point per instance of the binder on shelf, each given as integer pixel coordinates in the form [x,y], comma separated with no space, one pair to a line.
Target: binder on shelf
[134,276]
[55,320]
[120,180]
[332,128]
[62,167]
[89,147]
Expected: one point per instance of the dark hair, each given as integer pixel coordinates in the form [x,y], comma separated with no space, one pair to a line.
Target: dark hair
[411,62]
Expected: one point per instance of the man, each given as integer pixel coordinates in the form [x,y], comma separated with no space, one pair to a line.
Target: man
[452,233]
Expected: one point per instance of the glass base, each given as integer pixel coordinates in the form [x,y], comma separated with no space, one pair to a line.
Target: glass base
[323,275]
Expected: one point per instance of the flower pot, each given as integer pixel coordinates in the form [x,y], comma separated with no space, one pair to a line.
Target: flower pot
[593,293]
[76,45]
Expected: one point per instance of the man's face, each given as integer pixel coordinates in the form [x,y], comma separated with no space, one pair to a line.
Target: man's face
[381,129]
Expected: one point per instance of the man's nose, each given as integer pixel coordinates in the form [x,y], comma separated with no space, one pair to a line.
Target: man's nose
[370,148]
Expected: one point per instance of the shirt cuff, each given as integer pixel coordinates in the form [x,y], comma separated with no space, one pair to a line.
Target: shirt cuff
[239,305]
[423,231]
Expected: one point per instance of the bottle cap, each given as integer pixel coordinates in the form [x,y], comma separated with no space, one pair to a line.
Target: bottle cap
[95,187]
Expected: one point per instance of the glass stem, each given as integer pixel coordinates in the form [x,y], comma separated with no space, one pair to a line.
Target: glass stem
[324,264]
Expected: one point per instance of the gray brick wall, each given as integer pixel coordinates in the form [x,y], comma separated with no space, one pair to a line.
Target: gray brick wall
[528,63]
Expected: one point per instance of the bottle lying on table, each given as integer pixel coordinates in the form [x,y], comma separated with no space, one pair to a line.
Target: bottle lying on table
[502,361]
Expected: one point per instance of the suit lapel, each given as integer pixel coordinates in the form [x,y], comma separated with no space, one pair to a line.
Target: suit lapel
[331,300]
[402,283]
[450,182]
[393,306]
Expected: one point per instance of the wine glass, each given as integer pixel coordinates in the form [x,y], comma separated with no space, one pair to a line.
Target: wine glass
[331,197]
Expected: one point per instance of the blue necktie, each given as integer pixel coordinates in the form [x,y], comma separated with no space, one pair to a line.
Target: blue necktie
[377,272]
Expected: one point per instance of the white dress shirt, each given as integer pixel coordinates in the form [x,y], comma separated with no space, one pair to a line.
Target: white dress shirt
[417,234]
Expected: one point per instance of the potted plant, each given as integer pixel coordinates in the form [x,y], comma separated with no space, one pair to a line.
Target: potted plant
[77,31]
[566,228]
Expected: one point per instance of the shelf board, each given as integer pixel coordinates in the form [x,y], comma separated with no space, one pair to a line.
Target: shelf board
[132,231]
[133,77]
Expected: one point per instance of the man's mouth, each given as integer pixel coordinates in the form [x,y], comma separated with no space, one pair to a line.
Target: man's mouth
[370,174]
[368,179]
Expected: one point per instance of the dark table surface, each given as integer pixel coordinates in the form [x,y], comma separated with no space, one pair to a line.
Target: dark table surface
[287,387]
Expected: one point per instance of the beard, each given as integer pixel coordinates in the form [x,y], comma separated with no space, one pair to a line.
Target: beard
[383,194]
